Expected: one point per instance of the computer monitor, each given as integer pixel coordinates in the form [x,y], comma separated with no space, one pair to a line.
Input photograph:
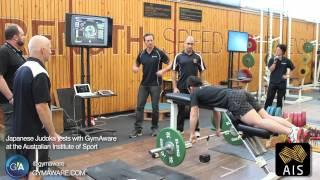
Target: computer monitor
[88,31]
[237,41]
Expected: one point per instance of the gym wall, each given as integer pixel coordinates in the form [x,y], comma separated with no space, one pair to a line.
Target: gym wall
[111,68]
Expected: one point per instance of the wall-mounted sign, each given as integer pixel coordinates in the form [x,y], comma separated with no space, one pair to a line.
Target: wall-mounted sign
[190,14]
[157,10]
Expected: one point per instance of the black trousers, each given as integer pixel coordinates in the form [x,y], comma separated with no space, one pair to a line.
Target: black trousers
[182,114]
[144,92]
[8,123]
[272,90]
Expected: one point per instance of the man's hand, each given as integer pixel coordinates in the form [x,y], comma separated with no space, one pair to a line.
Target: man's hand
[206,83]
[160,73]
[55,138]
[285,76]
[193,138]
[11,101]
[176,90]
[135,69]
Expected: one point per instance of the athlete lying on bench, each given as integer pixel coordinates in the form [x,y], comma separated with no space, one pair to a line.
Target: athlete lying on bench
[242,105]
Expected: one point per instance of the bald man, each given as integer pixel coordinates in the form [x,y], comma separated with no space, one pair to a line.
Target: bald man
[185,64]
[31,93]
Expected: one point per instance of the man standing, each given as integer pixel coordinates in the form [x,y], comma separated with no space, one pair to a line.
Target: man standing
[279,74]
[151,59]
[10,60]
[32,115]
[187,63]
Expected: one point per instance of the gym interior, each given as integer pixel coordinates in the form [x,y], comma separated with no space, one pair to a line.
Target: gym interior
[96,44]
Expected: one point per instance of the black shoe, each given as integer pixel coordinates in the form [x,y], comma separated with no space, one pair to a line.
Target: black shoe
[154,132]
[135,133]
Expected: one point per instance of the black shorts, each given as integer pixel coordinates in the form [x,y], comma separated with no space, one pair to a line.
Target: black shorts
[240,102]
[35,155]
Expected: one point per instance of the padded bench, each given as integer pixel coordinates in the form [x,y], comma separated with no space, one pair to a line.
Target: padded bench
[247,134]
[184,99]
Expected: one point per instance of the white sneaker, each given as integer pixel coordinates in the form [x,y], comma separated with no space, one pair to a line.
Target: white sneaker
[181,132]
[197,133]
[294,135]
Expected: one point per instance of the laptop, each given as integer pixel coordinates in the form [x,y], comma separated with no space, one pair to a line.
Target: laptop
[83,90]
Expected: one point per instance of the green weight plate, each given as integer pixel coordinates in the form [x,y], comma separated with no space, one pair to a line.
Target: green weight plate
[248,60]
[307,47]
[172,138]
[226,125]
[278,112]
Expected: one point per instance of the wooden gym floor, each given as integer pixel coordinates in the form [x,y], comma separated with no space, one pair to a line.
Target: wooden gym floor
[136,155]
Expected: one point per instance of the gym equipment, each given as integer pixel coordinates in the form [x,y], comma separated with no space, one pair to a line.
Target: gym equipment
[274,111]
[231,138]
[244,75]
[298,119]
[306,58]
[252,45]
[303,71]
[307,47]
[248,60]
[171,146]
[247,134]
[204,158]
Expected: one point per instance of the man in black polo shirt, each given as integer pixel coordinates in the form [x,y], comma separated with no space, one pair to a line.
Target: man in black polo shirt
[31,91]
[243,106]
[151,59]
[187,63]
[279,74]
[10,60]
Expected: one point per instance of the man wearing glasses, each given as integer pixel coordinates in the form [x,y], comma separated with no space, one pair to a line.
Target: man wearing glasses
[185,64]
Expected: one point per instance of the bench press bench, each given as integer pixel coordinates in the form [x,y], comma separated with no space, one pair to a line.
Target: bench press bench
[247,134]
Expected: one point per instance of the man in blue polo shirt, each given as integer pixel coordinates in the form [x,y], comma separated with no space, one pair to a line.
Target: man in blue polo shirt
[31,92]
[151,59]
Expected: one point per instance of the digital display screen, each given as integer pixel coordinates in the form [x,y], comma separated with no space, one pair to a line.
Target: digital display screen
[237,41]
[90,31]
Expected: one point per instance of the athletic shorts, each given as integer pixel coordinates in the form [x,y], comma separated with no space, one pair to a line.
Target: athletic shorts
[240,102]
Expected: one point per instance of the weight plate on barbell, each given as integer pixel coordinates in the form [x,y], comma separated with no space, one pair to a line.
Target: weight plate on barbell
[172,138]
[230,137]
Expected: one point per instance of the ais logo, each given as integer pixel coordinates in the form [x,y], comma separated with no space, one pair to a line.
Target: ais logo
[293,159]
[17,166]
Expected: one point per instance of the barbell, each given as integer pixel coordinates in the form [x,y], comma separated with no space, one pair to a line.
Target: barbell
[171,147]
